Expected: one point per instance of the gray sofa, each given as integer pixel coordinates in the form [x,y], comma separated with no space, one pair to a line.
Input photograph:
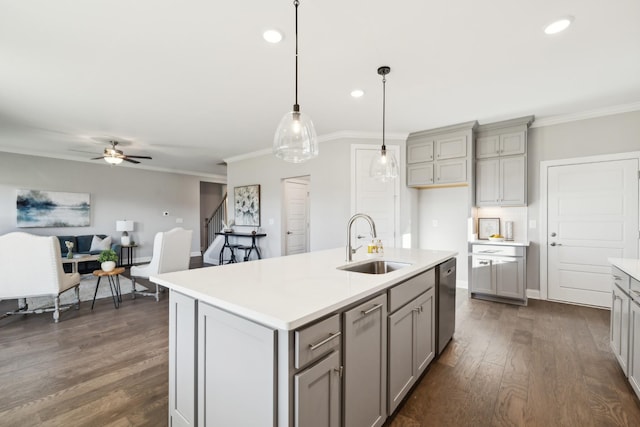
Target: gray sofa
[82,245]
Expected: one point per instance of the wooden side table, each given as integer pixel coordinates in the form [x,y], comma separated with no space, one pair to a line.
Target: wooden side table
[113,277]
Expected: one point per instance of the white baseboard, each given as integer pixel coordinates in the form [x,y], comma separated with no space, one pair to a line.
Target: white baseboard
[533,293]
[196,253]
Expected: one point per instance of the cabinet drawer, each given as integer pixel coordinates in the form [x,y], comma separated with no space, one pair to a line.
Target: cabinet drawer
[406,291]
[620,278]
[313,342]
[498,250]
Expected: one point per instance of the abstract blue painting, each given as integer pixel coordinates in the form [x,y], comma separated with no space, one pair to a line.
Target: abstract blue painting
[37,208]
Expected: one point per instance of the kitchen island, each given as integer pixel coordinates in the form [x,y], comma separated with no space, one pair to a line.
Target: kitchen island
[297,341]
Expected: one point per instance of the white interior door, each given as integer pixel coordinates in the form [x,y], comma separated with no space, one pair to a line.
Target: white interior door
[296,209]
[592,215]
[374,198]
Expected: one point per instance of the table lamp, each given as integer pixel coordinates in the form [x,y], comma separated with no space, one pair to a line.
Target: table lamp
[124,226]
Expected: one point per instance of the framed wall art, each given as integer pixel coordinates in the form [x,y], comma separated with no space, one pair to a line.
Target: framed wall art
[247,205]
[487,227]
[36,208]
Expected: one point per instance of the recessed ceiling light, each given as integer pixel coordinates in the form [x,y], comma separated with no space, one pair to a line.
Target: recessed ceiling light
[272,36]
[559,25]
[357,93]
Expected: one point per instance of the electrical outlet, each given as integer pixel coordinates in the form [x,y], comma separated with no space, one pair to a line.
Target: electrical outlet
[165,213]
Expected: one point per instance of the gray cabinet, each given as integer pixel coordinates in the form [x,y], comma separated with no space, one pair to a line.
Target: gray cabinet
[634,346]
[498,271]
[411,345]
[317,394]
[182,360]
[619,333]
[501,163]
[365,363]
[237,367]
[440,156]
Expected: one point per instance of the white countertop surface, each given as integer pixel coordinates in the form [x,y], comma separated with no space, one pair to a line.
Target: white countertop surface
[288,292]
[504,243]
[628,265]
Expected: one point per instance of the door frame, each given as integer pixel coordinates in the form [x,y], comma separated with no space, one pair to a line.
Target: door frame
[544,235]
[305,180]
[395,149]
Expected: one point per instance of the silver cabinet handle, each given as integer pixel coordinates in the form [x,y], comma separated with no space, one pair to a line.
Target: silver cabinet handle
[371,310]
[483,262]
[289,232]
[417,309]
[339,370]
[324,341]
[617,277]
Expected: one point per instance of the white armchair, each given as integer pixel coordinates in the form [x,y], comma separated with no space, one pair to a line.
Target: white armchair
[32,266]
[171,252]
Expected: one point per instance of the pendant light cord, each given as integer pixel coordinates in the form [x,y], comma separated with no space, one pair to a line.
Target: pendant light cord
[296,107]
[384,84]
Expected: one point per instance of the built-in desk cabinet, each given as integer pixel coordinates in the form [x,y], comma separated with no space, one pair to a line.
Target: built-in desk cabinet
[440,156]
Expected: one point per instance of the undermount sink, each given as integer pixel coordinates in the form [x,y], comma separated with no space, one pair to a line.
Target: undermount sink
[375,267]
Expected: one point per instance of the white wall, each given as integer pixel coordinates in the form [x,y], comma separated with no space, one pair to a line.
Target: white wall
[330,198]
[116,193]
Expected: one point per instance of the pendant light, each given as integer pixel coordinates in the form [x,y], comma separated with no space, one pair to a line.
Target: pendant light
[384,166]
[296,140]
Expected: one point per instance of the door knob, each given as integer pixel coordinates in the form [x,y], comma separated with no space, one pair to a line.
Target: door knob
[553,243]
[553,234]
[289,232]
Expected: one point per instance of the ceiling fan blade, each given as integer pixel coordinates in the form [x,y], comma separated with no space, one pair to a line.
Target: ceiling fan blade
[139,157]
[126,159]
[97,158]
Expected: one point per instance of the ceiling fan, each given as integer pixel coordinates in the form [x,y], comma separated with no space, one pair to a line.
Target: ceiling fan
[114,156]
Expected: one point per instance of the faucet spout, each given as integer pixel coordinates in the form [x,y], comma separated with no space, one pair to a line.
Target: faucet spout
[350,251]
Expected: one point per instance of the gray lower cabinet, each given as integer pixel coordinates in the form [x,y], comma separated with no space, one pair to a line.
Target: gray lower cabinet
[411,345]
[619,334]
[317,394]
[634,346]
[365,361]
[498,271]
[236,370]
[182,360]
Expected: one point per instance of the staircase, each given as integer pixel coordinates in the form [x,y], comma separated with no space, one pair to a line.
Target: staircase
[213,225]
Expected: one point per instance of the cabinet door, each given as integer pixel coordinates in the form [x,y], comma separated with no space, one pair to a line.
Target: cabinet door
[634,346]
[451,171]
[451,147]
[425,331]
[182,359]
[420,174]
[236,369]
[317,394]
[365,363]
[620,327]
[513,143]
[420,152]
[402,353]
[509,277]
[482,279]
[487,146]
[513,183]
[487,182]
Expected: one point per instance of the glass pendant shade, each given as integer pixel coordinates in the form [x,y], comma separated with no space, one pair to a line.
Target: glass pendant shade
[295,140]
[384,166]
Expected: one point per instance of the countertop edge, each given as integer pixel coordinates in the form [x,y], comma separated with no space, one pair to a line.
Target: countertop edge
[630,266]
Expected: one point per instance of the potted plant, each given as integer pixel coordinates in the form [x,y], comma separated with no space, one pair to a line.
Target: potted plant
[107,259]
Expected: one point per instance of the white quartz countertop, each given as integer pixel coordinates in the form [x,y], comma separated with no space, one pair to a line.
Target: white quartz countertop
[504,243]
[628,265]
[288,292]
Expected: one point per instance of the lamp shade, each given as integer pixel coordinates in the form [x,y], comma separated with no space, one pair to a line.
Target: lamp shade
[295,140]
[124,225]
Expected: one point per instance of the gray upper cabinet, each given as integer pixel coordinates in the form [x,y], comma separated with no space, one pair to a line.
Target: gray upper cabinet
[365,361]
[440,156]
[501,163]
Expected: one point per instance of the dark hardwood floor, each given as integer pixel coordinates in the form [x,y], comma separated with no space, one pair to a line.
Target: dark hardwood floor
[547,364]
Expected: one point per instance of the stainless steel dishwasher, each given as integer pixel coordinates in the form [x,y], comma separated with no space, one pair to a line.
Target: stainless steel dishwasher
[446,303]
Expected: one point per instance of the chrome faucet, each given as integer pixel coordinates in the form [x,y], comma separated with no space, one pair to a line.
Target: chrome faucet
[351,251]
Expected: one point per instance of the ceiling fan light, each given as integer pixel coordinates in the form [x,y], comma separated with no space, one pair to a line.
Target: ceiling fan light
[295,140]
[113,160]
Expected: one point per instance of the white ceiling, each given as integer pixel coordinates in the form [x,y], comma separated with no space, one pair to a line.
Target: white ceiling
[193,82]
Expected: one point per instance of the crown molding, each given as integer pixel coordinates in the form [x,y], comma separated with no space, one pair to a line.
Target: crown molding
[584,115]
[334,136]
